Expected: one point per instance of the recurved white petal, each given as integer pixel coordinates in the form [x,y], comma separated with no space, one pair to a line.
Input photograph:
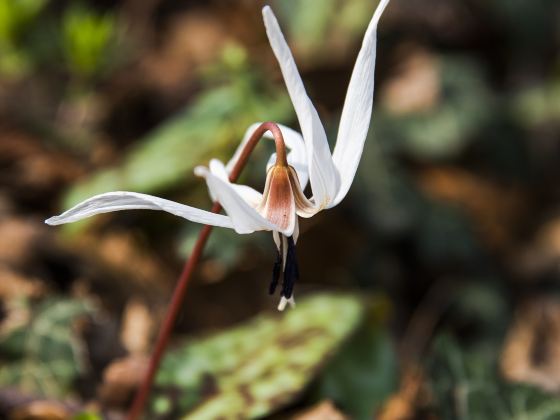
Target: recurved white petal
[250,195]
[294,142]
[356,114]
[124,200]
[244,218]
[322,172]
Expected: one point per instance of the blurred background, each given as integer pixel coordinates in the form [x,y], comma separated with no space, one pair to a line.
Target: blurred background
[432,291]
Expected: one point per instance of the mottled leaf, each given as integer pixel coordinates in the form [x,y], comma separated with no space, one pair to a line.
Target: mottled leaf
[45,356]
[258,367]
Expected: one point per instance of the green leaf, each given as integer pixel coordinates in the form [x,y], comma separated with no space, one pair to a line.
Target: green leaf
[466,105]
[46,356]
[86,39]
[364,372]
[15,16]
[538,105]
[260,366]
[467,385]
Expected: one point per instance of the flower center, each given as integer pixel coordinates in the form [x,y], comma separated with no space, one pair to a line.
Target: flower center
[278,204]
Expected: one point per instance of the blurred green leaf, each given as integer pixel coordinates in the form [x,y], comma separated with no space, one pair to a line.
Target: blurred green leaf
[258,367]
[443,131]
[314,27]
[467,385]
[87,416]
[16,18]
[46,356]
[364,372]
[86,39]
[15,15]
[538,105]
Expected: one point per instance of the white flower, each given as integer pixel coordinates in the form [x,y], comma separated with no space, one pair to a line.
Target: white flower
[309,159]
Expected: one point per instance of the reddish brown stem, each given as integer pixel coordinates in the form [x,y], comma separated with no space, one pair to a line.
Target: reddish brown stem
[190,265]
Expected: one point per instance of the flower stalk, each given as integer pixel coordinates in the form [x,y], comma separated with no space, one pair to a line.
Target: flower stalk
[179,293]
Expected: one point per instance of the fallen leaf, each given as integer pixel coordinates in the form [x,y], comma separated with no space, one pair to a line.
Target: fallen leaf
[323,411]
[121,378]
[416,84]
[531,352]
[137,326]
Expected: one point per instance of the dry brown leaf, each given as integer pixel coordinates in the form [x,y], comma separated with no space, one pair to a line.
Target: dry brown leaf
[121,378]
[193,39]
[16,238]
[416,85]
[14,288]
[542,254]
[120,252]
[531,351]
[137,327]
[323,411]
[28,165]
[496,209]
[403,404]
[13,285]
[41,410]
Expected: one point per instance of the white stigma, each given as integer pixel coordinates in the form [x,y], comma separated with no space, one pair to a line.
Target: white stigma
[284,302]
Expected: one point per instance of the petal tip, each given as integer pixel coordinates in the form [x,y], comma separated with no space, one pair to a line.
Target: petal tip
[52,221]
[200,171]
[268,16]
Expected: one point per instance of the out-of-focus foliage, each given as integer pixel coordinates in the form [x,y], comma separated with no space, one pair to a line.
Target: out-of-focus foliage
[315,26]
[16,17]
[445,128]
[453,215]
[347,379]
[86,39]
[87,416]
[211,126]
[45,356]
[467,385]
[258,367]
[538,105]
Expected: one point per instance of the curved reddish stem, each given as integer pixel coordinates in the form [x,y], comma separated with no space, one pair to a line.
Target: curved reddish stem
[190,265]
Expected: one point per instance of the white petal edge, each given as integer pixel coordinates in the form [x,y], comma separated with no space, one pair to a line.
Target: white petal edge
[294,142]
[125,200]
[250,195]
[322,172]
[245,219]
[356,113]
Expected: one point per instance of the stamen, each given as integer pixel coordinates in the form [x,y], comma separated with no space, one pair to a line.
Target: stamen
[276,271]
[291,271]
[286,262]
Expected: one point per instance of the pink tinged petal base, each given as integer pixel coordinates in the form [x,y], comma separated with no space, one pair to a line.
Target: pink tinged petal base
[278,205]
[125,200]
[244,217]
